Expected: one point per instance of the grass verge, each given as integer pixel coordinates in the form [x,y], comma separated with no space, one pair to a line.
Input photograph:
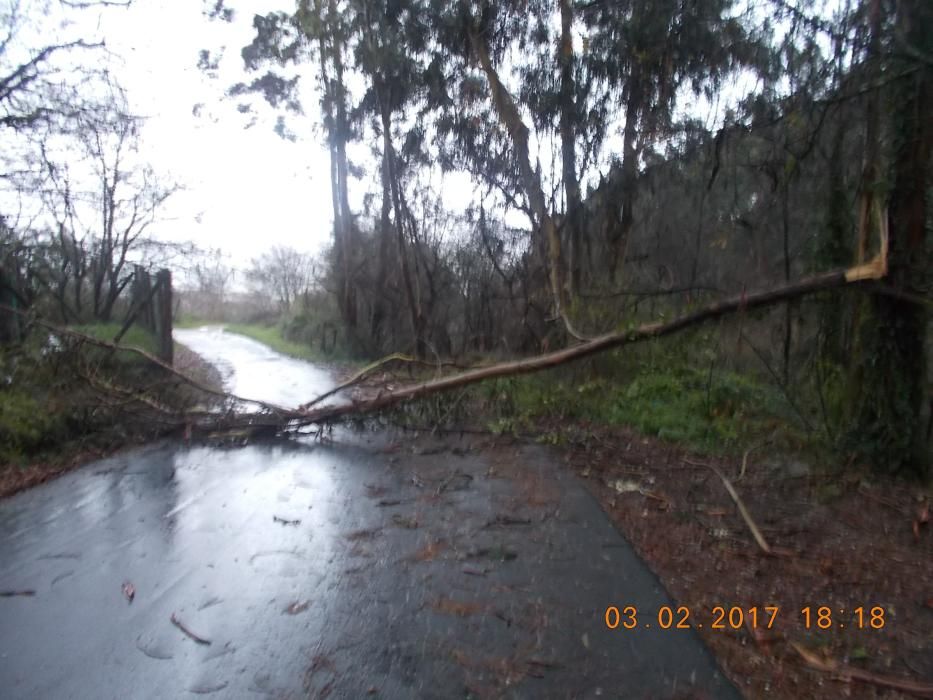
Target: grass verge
[135,336]
[272,336]
[721,412]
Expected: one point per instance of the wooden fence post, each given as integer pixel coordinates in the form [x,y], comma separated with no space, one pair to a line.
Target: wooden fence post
[162,316]
[140,298]
[151,308]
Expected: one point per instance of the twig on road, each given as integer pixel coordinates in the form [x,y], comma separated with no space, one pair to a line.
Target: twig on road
[180,625]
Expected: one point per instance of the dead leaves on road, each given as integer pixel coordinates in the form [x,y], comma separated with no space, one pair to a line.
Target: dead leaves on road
[504,671]
[297,607]
[450,606]
[429,551]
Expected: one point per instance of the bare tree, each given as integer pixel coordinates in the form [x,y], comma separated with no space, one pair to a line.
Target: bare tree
[212,277]
[130,197]
[283,274]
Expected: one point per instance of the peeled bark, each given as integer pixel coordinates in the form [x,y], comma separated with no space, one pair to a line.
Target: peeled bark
[518,132]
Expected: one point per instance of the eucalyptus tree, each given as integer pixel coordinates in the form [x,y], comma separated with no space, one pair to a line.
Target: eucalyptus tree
[312,38]
[641,54]
[390,42]
[527,97]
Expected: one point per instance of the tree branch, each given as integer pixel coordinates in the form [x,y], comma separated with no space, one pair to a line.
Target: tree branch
[809,285]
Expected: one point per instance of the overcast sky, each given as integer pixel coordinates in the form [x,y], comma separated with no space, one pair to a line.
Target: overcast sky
[247,188]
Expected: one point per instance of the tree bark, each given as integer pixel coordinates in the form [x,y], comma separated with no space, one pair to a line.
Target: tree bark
[336,127]
[568,130]
[629,174]
[414,306]
[890,378]
[342,128]
[609,341]
[518,132]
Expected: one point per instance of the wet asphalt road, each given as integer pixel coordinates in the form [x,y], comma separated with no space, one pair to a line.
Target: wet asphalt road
[407,567]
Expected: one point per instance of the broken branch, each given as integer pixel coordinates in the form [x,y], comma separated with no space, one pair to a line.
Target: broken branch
[91,340]
[367,371]
[809,285]
[282,418]
[759,538]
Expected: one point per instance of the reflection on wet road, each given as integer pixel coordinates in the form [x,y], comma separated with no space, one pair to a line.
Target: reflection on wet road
[378,566]
[253,370]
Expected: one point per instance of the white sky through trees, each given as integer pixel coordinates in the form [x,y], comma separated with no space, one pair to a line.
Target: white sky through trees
[247,189]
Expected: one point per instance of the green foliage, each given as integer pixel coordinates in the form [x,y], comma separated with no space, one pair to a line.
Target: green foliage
[135,337]
[661,396]
[47,403]
[31,417]
[25,425]
[713,412]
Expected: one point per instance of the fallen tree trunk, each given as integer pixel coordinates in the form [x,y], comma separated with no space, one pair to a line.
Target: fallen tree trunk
[115,346]
[273,418]
[809,285]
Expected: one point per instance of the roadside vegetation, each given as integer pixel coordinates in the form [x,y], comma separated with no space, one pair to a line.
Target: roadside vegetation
[710,407]
[618,184]
[67,400]
[274,338]
[819,168]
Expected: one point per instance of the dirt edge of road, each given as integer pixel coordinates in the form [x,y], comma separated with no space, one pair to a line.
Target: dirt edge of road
[839,541]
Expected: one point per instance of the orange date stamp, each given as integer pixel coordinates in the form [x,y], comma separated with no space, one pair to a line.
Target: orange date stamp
[735,617]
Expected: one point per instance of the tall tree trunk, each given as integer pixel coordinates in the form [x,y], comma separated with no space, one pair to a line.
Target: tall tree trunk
[342,126]
[343,279]
[531,181]
[335,126]
[789,306]
[633,106]
[834,250]
[888,428]
[382,264]
[568,124]
[414,307]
